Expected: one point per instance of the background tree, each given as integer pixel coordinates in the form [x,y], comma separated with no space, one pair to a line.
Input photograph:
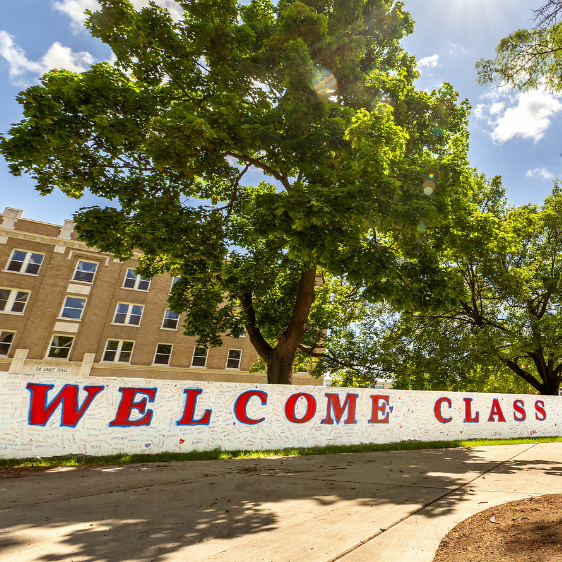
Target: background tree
[529,58]
[505,319]
[317,95]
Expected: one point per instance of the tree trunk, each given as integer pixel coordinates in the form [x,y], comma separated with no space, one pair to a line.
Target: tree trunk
[279,359]
[280,366]
[549,377]
[550,387]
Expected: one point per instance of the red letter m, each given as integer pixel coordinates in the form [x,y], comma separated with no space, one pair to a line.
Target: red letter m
[40,411]
[335,406]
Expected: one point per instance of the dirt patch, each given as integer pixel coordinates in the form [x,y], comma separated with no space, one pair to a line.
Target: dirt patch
[20,471]
[529,530]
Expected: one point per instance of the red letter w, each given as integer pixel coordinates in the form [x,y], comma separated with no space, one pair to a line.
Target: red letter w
[40,412]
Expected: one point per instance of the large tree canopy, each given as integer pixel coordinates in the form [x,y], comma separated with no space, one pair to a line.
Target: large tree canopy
[506,318]
[529,58]
[318,96]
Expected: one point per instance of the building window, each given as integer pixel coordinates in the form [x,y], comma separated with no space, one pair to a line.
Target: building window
[163,354]
[137,282]
[13,300]
[73,308]
[199,357]
[128,314]
[6,340]
[118,351]
[233,361]
[171,319]
[25,262]
[60,347]
[85,271]
[174,281]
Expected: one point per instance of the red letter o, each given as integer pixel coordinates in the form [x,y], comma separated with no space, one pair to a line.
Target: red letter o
[291,404]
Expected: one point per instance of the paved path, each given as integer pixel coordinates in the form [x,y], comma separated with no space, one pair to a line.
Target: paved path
[392,506]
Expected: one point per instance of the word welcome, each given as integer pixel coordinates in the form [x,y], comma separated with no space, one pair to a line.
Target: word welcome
[133,409]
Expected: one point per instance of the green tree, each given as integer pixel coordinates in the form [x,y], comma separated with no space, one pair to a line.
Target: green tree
[529,58]
[507,269]
[317,95]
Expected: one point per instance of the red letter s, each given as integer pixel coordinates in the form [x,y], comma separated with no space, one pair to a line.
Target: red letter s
[519,407]
[540,411]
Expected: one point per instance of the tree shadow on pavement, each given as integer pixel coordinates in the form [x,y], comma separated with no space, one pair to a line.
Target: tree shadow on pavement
[146,513]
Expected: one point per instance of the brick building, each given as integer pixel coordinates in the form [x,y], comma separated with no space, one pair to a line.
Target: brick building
[67,308]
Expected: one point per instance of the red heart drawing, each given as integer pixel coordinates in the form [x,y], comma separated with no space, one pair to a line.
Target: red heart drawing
[182,441]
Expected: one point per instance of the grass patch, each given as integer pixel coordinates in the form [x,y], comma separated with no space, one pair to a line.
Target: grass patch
[218,454]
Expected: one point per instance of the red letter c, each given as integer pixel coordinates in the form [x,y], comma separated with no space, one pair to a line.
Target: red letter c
[437,409]
[242,403]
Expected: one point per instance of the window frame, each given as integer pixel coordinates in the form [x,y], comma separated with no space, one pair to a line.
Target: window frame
[138,280]
[55,335]
[229,359]
[25,262]
[73,279]
[204,366]
[12,300]
[162,327]
[128,314]
[13,332]
[118,351]
[154,364]
[61,317]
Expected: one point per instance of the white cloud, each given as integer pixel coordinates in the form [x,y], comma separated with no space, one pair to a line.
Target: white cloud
[496,108]
[23,71]
[480,111]
[456,50]
[75,9]
[525,115]
[540,173]
[429,62]
[529,119]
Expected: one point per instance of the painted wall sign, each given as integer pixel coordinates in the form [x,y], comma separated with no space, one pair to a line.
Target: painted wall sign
[44,415]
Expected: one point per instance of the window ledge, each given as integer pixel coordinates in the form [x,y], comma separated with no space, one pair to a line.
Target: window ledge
[56,359]
[12,313]
[128,325]
[85,282]
[116,362]
[68,319]
[21,273]
[169,329]
[139,290]
[196,367]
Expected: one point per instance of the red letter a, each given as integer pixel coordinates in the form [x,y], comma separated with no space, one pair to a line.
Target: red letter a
[496,411]
[40,411]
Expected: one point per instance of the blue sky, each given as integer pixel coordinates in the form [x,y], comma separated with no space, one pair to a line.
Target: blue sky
[513,134]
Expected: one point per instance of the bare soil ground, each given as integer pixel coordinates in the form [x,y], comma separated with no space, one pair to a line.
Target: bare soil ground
[524,530]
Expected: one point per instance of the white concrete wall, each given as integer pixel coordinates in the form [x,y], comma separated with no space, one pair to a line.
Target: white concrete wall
[31,425]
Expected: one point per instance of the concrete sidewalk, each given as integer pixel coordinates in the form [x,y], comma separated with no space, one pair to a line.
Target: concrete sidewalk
[395,506]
